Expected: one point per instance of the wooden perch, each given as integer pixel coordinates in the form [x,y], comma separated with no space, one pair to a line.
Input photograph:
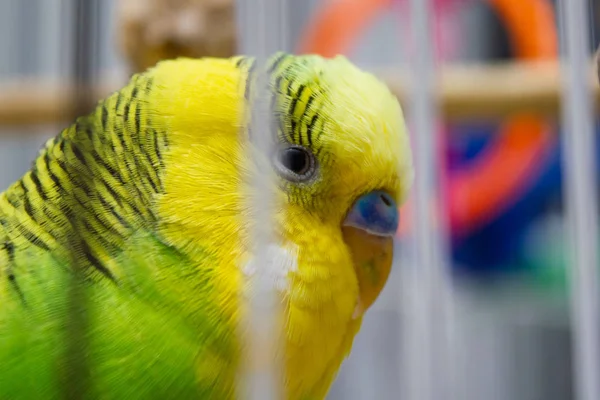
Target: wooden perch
[32,103]
[464,93]
[494,92]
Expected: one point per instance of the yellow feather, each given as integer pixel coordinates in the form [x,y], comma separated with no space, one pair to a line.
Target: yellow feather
[363,138]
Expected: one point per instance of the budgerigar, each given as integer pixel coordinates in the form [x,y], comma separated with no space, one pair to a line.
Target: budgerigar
[146,199]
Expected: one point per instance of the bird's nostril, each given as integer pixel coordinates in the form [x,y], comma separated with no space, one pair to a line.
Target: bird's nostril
[386,200]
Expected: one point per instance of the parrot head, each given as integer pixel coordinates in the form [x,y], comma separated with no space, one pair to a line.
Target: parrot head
[342,167]
[343,160]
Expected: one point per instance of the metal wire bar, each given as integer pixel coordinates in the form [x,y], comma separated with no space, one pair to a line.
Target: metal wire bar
[580,196]
[85,24]
[426,349]
[263,32]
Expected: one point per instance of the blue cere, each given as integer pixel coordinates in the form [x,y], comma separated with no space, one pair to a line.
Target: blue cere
[375,212]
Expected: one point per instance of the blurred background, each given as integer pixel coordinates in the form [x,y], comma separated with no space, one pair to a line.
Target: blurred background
[499,156]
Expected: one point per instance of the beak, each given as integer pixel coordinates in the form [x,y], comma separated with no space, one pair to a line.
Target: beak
[369,230]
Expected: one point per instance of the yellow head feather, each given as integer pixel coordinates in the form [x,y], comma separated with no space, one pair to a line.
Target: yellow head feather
[352,125]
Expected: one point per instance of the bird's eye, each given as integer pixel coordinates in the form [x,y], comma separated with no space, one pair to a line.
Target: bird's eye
[295,163]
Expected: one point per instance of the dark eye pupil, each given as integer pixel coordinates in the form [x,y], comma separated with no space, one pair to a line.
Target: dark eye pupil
[296,160]
[295,163]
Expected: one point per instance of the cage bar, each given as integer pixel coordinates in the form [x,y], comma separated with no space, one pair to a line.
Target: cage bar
[85,41]
[263,32]
[580,196]
[426,320]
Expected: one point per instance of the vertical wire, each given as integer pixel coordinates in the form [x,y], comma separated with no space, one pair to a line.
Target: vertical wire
[592,19]
[76,384]
[428,303]
[263,32]
[580,196]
